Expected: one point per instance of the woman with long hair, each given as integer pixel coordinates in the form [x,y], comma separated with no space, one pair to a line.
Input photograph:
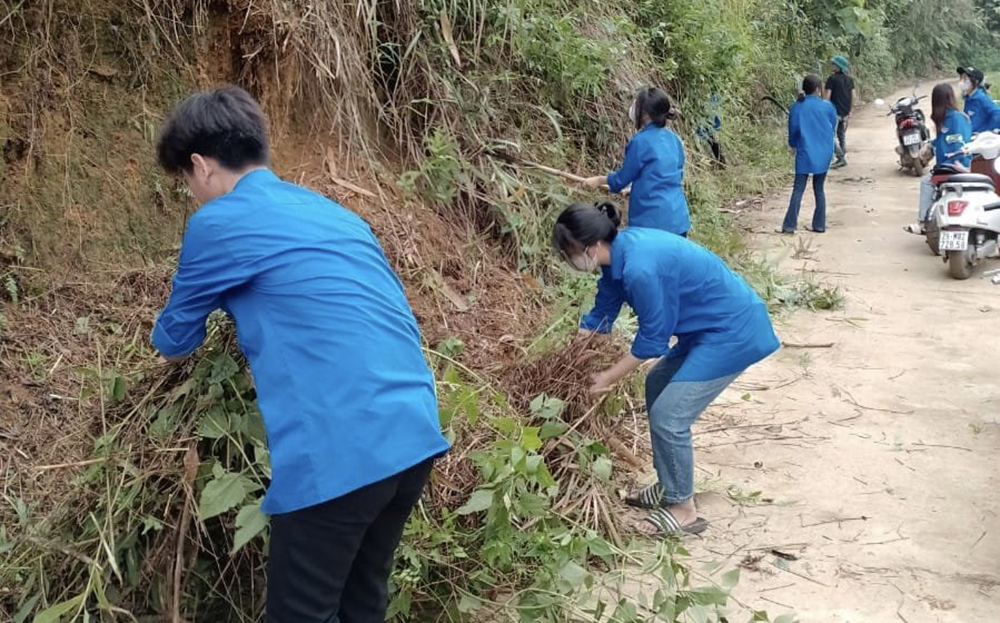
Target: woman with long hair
[952,130]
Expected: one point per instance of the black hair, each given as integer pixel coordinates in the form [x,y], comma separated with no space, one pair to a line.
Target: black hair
[810,84]
[584,224]
[942,100]
[655,104]
[224,123]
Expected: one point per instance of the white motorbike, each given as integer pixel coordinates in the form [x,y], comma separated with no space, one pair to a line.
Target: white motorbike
[967,211]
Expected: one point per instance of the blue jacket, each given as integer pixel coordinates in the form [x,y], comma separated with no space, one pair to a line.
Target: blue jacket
[654,165]
[678,287]
[812,125]
[342,383]
[982,110]
[955,132]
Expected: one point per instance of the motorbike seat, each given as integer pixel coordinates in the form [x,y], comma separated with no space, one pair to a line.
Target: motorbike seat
[968,178]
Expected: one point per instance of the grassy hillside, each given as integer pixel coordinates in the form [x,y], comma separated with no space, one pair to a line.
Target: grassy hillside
[131,489]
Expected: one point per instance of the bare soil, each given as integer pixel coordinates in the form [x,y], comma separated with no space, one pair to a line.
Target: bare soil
[875,458]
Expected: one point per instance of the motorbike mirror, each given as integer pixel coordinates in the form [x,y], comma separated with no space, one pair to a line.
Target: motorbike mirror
[879,102]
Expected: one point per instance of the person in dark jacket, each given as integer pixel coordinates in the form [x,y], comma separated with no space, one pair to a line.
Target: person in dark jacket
[654,166]
[840,92]
[812,123]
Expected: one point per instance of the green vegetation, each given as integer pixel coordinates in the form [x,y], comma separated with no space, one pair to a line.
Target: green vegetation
[159,511]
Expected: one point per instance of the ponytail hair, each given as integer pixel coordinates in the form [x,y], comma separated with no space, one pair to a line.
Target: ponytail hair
[584,224]
[653,103]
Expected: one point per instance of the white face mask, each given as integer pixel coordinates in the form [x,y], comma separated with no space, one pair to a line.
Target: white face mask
[583,262]
[631,113]
[965,85]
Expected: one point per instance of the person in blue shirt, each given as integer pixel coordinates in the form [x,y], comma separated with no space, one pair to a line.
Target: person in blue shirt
[677,288]
[347,398]
[654,167]
[812,125]
[983,112]
[953,130]
[708,131]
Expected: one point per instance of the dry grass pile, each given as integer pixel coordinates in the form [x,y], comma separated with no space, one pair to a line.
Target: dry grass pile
[611,422]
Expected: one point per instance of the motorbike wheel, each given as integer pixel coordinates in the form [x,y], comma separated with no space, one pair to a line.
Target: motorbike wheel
[918,167]
[961,263]
[933,235]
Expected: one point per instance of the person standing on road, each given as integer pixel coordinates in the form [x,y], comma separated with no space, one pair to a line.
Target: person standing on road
[654,166]
[812,123]
[840,91]
[676,288]
[952,131]
[983,112]
[347,398]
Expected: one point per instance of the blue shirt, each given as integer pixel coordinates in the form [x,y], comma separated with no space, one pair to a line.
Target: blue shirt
[342,383]
[654,165]
[679,288]
[955,132]
[983,112]
[812,124]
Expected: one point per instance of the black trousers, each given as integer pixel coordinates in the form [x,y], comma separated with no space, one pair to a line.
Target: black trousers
[330,563]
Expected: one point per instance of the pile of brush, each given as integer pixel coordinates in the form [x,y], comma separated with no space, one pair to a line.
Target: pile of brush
[564,374]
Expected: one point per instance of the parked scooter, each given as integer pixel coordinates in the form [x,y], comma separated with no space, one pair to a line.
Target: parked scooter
[912,133]
[967,212]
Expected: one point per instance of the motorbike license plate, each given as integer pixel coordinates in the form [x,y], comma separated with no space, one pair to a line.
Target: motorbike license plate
[911,139]
[954,241]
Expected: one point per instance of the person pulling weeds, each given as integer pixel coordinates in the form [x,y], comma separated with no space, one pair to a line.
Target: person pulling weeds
[653,166]
[345,392]
[676,288]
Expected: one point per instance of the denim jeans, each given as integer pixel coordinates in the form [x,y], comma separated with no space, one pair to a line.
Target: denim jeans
[840,145]
[673,406]
[926,198]
[819,215]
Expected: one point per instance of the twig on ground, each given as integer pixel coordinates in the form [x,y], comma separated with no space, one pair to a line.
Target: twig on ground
[777,603]
[43,468]
[939,445]
[800,575]
[798,345]
[765,439]
[981,537]
[830,521]
[851,400]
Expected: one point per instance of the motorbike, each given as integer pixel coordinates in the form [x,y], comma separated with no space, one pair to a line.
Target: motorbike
[966,213]
[912,133]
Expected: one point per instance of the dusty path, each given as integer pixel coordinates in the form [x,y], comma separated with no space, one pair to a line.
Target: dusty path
[880,454]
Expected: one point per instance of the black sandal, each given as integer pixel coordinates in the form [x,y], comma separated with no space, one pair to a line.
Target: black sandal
[649,497]
[667,525]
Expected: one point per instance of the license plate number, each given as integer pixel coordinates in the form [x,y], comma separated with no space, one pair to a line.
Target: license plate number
[954,241]
[911,139]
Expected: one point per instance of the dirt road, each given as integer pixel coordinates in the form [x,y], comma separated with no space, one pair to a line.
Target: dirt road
[877,459]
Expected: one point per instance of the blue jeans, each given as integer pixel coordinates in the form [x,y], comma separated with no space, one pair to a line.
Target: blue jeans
[926,198]
[673,406]
[819,215]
